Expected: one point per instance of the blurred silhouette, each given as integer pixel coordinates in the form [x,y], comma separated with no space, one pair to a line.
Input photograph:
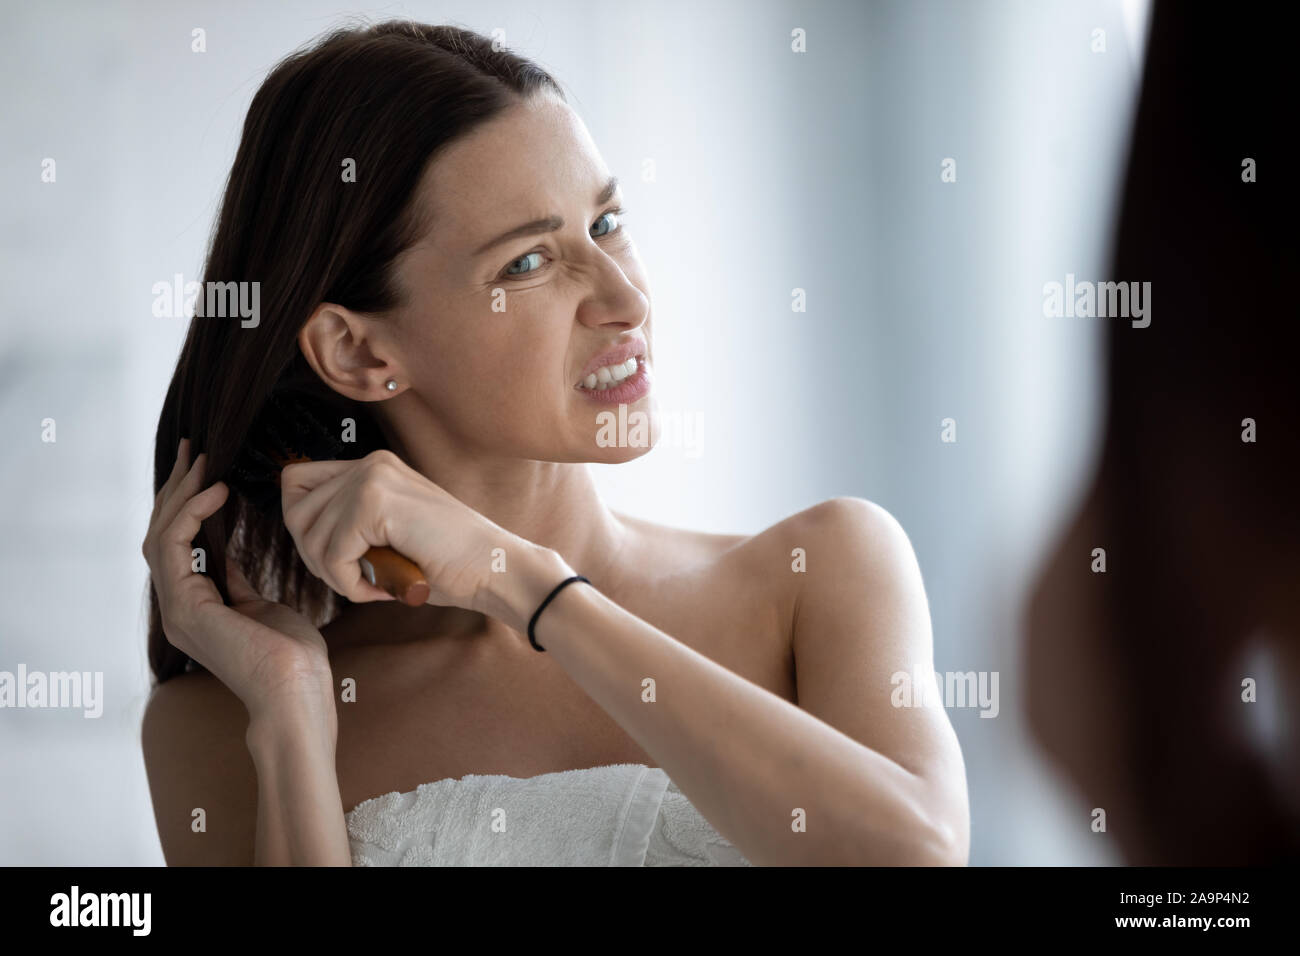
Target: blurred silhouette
[1135,675]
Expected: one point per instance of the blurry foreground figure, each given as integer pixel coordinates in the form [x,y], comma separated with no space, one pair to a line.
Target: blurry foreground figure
[1135,676]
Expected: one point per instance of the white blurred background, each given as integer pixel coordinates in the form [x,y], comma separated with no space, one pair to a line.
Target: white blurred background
[775,170]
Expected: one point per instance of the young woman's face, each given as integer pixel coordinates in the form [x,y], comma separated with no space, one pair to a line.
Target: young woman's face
[524,282]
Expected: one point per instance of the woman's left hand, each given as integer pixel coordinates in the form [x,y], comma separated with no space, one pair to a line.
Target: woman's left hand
[337,510]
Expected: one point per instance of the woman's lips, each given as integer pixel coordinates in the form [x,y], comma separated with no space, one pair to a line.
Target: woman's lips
[635,386]
[634,347]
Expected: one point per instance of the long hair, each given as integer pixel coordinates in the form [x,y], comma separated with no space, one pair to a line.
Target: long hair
[387,98]
[1198,522]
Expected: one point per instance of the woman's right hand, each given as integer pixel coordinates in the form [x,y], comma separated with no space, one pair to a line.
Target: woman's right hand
[267,654]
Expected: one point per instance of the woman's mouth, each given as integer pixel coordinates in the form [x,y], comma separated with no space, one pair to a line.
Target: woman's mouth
[617,384]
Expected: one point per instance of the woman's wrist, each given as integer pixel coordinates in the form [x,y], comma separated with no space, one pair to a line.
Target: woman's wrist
[292,725]
[300,817]
[511,596]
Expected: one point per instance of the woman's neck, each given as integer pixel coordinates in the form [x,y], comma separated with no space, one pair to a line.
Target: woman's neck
[551,504]
[554,505]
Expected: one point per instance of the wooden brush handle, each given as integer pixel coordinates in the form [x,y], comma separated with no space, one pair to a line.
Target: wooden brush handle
[399,576]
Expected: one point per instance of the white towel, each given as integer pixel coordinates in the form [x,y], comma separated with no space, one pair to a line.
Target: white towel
[614,815]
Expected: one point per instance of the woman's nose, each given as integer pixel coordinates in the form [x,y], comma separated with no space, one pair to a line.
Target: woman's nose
[614,299]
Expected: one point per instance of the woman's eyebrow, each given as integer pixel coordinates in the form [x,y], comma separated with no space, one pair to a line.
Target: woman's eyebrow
[548,224]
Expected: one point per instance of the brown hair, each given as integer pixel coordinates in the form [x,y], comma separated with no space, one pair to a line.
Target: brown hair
[389,97]
[1198,524]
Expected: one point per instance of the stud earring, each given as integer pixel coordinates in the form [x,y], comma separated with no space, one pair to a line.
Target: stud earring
[391,385]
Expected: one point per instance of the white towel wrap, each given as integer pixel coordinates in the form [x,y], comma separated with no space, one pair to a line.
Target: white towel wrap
[615,815]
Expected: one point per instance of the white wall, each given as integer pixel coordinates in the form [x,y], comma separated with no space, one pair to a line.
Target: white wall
[774,170]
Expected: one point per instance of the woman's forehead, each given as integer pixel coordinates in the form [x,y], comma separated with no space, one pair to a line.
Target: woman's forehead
[533,160]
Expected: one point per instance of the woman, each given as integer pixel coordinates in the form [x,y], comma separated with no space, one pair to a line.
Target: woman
[440,256]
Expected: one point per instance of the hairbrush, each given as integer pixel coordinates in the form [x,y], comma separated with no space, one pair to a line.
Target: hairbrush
[290,429]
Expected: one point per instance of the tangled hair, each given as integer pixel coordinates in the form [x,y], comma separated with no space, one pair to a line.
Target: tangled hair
[389,97]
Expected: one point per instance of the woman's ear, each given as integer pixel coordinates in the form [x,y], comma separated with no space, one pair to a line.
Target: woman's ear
[346,351]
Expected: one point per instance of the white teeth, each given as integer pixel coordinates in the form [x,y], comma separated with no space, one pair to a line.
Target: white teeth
[610,375]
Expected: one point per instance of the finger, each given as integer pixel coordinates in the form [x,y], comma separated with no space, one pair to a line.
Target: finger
[301,505]
[181,463]
[326,514]
[310,524]
[342,564]
[186,488]
[176,540]
[352,521]
[305,489]
[342,527]
[164,508]
[301,477]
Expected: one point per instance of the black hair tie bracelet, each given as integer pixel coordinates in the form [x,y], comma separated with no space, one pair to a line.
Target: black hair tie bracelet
[549,598]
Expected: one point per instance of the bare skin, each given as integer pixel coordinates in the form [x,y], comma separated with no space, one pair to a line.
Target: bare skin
[773,682]
[479,699]
[444,693]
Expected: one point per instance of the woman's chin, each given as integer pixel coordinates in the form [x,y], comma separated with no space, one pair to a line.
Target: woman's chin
[616,452]
[617,456]
[622,433]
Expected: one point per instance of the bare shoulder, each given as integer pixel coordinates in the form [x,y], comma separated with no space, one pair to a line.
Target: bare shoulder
[840,522]
[829,527]
[196,759]
[826,533]
[850,553]
[840,545]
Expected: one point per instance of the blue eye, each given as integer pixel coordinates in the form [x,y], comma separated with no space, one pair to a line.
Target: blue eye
[606,225]
[612,216]
[512,271]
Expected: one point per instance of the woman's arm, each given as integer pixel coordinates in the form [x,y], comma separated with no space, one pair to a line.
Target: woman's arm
[753,763]
[875,783]
[273,660]
[300,820]
[231,789]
